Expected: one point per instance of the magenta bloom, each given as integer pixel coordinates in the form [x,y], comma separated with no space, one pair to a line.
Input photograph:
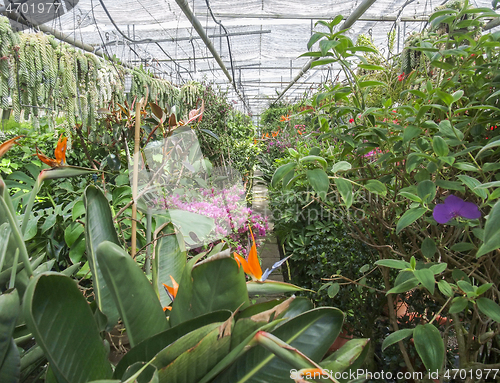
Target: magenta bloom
[453,207]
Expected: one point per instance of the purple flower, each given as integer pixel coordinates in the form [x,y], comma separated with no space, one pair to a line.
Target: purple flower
[453,207]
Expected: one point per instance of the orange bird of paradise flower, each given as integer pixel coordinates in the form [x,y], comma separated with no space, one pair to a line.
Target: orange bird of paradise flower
[171,291]
[59,153]
[251,265]
[7,144]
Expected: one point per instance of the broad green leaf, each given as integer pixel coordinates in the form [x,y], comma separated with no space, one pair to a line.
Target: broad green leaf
[77,249]
[426,190]
[212,285]
[445,97]
[312,333]
[333,290]
[472,184]
[191,225]
[377,187]
[440,146]
[64,172]
[491,232]
[147,349]
[458,304]
[426,278]
[458,94]
[319,159]
[326,45]
[393,263]
[10,366]
[488,185]
[9,216]
[281,172]
[345,357]
[492,144]
[371,67]
[9,310]
[466,166]
[438,268]
[408,285]
[462,246]
[133,295]
[169,259]
[196,361]
[345,189]
[445,288]
[410,196]
[31,228]
[315,37]
[448,131]
[63,326]
[429,346]
[364,84]
[489,308]
[341,166]
[409,217]
[459,275]
[483,288]
[465,286]
[428,248]
[410,133]
[450,185]
[269,287]
[99,227]
[396,336]
[319,181]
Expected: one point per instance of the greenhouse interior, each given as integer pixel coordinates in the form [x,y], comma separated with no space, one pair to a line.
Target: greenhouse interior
[333,214]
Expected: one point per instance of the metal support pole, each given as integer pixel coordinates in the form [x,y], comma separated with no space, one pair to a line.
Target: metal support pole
[186,9]
[355,15]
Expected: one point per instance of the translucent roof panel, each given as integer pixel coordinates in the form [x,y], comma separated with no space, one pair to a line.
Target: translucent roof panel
[266,38]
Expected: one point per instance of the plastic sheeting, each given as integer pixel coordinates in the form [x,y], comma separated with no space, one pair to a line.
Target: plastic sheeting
[266,37]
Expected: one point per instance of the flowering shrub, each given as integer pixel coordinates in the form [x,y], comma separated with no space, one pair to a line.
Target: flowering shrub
[426,197]
[227,207]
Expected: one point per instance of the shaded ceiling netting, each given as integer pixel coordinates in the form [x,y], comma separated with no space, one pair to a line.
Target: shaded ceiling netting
[266,39]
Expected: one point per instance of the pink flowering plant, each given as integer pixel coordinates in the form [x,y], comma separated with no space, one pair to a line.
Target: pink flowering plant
[417,177]
[227,208]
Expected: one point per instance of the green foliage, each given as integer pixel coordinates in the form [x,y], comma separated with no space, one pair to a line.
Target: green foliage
[404,154]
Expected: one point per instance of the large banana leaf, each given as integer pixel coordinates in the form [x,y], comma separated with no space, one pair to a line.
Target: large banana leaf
[16,241]
[212,285]
[147,349]
[250,319]
[350,356]
[9,311]
[195,362]
[132,293]
[10,369]
[169,259]
[312,333]
[99,228]
[184,344]
[298,306]
[63,325]
[272,287]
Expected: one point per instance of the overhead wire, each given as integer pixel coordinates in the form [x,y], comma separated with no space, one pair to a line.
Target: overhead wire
[140,41]
[227,37]
[169,35]
[102,40]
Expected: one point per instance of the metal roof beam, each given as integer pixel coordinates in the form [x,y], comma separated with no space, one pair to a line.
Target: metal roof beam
[354,16]
[189,38]
[416,19]
[186,9]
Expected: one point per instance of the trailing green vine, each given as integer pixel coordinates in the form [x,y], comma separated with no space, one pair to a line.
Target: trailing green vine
[40,77]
